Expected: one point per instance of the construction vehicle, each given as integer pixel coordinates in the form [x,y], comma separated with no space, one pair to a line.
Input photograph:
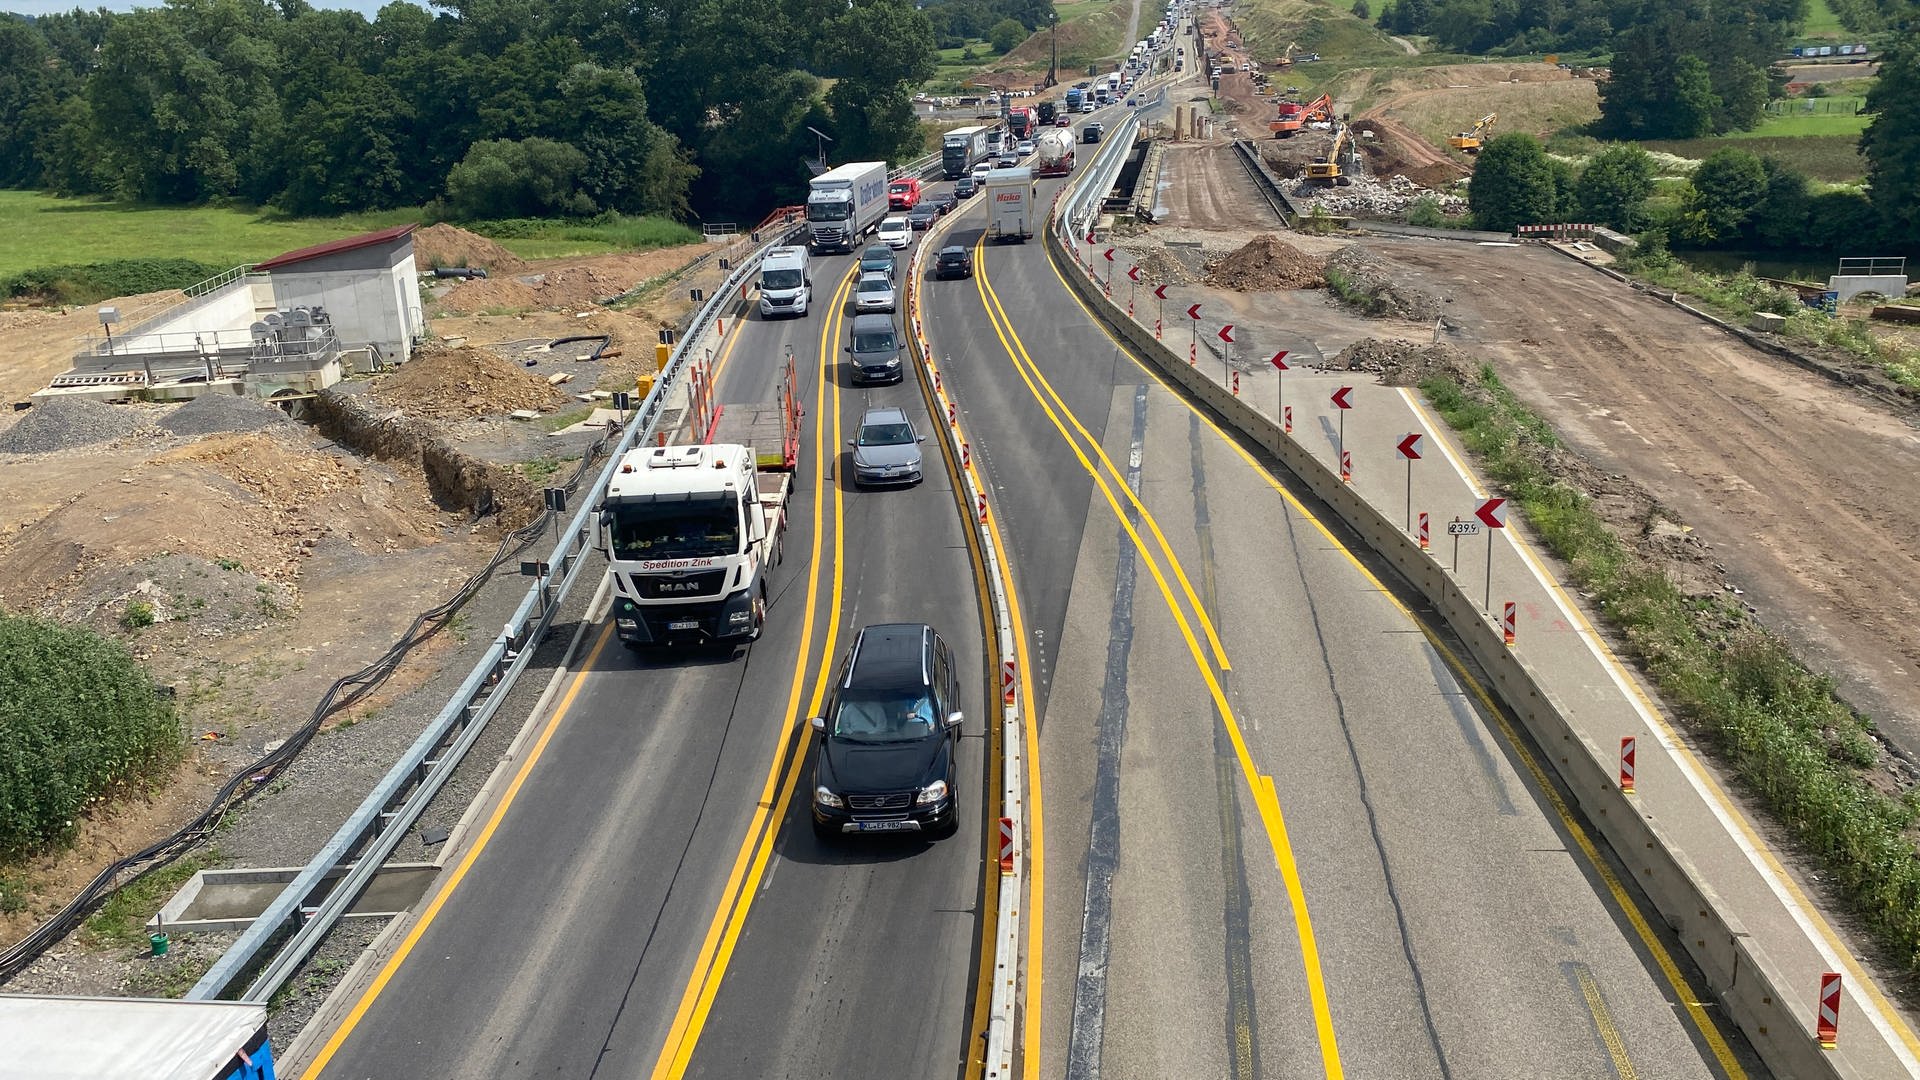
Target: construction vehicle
[1328,171]
[1286,58]
[1294,116]
[691,532]
[1469,141]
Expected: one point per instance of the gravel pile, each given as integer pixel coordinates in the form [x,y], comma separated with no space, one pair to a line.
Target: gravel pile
[212,413]
[1263,263]
[1404,363]
[1375,197]
[1161,266]
[65,423]
[1369,287]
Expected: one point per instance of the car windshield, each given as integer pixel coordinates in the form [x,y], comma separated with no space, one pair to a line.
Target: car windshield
[780,279]
[833,211]
[676,530]
[877,284]
[873,341]
[892,226]
[900,189]
[882,716]
[886,435]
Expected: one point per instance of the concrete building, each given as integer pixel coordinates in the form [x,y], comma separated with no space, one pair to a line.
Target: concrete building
[367,285]
[284,328]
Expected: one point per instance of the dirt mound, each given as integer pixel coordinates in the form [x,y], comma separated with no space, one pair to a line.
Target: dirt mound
[1406,363]
[210,413]
[67,423]
[1366,284]
[572,285]
[452,384]
[1265,262]
[1161,265]
[449,245]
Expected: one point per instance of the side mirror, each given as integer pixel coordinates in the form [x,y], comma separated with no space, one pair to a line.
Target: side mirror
[848,350]
[955,719]
[853,442]
[819,724]
[920,438]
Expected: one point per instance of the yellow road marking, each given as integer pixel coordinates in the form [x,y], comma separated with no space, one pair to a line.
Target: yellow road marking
[1683,991]
[459,874]
[1730,811]
[750,862]
[360,1007]
[1603,1022]
[1275,824]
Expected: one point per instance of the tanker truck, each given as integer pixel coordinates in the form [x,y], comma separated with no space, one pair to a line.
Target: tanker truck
[1053,153]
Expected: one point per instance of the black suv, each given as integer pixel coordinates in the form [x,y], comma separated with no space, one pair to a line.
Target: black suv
[953,261]
[888,748]
[965,187]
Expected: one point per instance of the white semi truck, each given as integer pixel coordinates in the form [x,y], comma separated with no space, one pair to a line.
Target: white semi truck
[845,204]
[691,532]
[1011,205]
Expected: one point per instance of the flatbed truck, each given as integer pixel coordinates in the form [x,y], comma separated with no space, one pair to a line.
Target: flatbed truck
[692,532]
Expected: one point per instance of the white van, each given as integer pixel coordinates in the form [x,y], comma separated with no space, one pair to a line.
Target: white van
[786,282]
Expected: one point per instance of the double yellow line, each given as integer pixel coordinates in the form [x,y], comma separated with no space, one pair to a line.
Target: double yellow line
[1209,661]
[789,758]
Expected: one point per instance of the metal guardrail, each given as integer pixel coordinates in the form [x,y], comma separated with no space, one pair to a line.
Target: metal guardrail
[370,834]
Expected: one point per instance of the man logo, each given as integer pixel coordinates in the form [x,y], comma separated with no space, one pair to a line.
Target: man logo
[678,586]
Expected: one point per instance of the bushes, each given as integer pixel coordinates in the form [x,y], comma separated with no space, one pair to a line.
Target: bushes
[79,722]
[88,282]
[1777,724]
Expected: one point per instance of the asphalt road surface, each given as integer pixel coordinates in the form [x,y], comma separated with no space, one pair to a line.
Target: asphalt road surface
[1283,834]
[631,914]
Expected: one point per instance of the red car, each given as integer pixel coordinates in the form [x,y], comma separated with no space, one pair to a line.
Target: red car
[903,194]
[1064,121]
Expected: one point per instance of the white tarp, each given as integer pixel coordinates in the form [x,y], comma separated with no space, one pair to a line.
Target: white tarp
[63,1038]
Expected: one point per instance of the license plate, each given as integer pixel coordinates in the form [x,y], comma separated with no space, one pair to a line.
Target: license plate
[685,624]
[886,826]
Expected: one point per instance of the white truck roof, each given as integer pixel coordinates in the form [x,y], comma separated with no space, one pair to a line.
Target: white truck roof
[123,1038]
[705,469]
[784,258]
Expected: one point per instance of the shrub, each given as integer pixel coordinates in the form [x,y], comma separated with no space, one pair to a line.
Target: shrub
[139,614]
[79,723]
[509,177]
[85,283]
[1426,213]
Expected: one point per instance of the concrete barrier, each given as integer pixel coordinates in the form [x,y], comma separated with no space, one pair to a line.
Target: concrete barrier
[1735,966]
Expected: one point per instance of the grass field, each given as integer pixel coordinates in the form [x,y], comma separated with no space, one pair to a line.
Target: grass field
[1269,26]
[1832,158]
[1832,116]
[40,230]
[1822,22]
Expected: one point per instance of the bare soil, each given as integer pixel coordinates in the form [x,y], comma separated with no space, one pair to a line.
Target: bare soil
[1806,493]
[274,560]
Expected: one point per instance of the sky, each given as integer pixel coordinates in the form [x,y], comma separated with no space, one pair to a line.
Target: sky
[48,7]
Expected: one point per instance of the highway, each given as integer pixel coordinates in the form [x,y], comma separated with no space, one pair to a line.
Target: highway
[1282,831]
[649,900]
[1285,833]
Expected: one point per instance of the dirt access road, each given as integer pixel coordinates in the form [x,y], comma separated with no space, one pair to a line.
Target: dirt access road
[1808,494]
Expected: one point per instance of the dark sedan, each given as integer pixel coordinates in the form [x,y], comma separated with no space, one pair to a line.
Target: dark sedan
[922,216]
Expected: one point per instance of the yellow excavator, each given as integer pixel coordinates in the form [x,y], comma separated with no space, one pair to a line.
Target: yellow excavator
[1469,141]
[1328,171]
[1286,59]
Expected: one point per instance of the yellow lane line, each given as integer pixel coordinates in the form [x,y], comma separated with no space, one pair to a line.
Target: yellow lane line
[372,992]
[684,1033]
[1704,1024]
[1259,785]
[459,874]
[1603,1024]
[1704,781]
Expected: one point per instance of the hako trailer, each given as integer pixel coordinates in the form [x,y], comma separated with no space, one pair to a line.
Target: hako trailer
[692,531]
[1011,205]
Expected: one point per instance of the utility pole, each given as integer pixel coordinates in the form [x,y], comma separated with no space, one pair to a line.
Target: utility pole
[1053,39]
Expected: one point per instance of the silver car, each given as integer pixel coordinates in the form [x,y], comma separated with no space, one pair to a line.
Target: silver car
[887,450]
[874,293]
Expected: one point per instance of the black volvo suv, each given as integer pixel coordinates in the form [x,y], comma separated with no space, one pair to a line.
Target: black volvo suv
[889,740]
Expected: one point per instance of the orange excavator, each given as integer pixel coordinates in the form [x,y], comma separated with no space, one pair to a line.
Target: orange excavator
[1294,116]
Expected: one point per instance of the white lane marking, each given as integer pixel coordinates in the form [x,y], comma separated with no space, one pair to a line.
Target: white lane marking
[1873,1005]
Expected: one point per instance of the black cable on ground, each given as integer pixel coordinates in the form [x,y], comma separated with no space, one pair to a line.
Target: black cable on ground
[254,777]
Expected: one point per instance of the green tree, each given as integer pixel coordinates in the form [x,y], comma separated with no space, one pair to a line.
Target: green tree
[518,178]
[345,151]
[1780,220]
[1513,184]
[1740,90]
[633,165]
[1006,34]
[1723,194]
[1614,186]
[1891,144]
[1691,103]
[1361,11]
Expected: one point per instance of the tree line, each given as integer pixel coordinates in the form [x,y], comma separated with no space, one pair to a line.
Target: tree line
[489,107]
[1733,198]
[956,22]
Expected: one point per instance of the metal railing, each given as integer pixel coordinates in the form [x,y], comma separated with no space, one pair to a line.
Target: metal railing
[142,317]
[370,834]
[1874,266]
